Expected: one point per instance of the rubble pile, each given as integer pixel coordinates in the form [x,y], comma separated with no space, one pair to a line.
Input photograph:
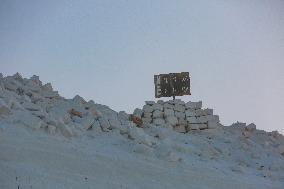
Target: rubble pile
[37,106]
[28,105]
[178,115]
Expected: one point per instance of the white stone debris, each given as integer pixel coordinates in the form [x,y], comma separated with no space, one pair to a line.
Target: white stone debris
[177,113]
[173,131]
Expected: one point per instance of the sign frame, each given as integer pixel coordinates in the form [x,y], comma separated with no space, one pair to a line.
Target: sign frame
[172,85]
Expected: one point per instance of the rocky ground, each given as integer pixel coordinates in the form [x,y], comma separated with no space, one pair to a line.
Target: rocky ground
[47,141]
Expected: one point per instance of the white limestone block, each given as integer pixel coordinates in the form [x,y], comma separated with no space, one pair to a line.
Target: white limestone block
[36,80]
[87,122]
[180,115]
[114,123]
[36,97]
[150,103]
[148,108]
[194,126]
[193,105]
[96,126]
[31,106]
[146,120]
[202,119]
[27,119]
[202,126]
[65,129]
[172,120]
[200,112]
[192,120]
[140,136]
[79,100]
[208,111]
[160,102]
[50,94]
[251,127]
[176,101]
[182,122]
[158,114]
[207,118]
[41,114]
[138,112]
[95,112]
[179,108]
[190,113]
[47,87]
[159,121]
[239,124]
[169,112]
[104,124]
[168,106]
[212,124]
[158,107]
[123,116]
[148,115]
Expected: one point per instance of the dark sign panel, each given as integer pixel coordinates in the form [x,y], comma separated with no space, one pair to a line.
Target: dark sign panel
[172,84]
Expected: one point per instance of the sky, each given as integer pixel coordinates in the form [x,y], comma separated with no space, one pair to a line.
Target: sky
[109,51]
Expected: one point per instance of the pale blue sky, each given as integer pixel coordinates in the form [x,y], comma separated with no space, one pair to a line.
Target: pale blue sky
[109,51]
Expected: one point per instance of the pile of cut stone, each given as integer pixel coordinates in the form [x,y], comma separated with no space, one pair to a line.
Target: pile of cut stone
[176,114]
[35,105]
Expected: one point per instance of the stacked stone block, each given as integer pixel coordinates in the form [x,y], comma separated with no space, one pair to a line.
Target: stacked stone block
[178,115]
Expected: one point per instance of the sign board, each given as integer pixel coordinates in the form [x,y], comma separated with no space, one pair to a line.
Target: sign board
[172,84]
